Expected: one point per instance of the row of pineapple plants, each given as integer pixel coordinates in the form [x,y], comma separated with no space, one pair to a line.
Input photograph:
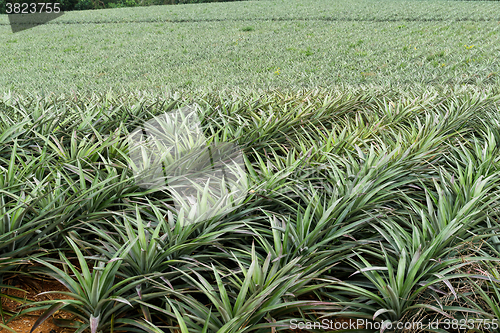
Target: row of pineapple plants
[361,204]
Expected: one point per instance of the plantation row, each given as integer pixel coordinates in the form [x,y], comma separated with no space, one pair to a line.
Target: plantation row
[256,44]
[361,204]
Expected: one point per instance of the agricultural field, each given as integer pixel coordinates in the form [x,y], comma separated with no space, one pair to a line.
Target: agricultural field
[257,166]
[359,205]
[257,44]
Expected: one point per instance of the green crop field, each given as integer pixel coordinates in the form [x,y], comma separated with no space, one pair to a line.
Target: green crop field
[257,44]
[257,166]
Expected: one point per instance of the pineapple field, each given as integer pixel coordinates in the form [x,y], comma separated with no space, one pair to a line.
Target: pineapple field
[256,166]
[288,44]
[361,204]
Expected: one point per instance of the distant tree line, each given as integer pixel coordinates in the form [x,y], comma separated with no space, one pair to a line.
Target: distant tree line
[69,5]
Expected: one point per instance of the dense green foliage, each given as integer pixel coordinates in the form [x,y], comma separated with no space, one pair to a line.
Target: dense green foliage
[373,197]
[257,44]
[362,204]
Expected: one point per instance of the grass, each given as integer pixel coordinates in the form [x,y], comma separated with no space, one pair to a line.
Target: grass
[240,45]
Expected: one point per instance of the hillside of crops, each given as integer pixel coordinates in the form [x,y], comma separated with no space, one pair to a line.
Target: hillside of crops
[360,204]
[252,166]
[256,44]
